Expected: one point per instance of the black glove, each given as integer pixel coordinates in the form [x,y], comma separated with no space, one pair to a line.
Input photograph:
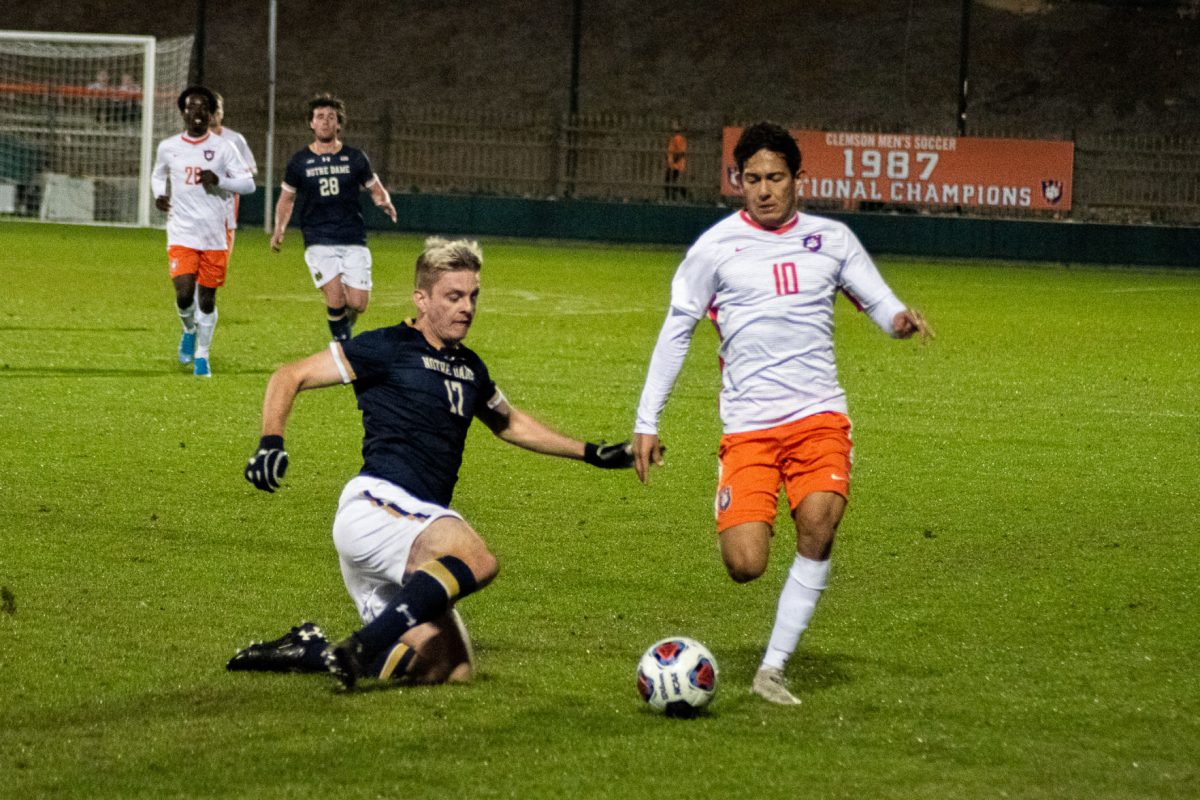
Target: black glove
[609,456]
[267,467]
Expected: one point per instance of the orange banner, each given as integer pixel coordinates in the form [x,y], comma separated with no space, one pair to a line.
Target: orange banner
[922,171]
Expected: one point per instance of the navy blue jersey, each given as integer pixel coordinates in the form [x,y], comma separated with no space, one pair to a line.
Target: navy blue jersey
[417,403]
[329,187]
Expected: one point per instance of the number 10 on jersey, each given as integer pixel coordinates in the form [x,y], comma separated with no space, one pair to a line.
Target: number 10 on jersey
[786,281]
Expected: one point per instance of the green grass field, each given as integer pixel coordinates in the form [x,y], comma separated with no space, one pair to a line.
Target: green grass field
[1014,608]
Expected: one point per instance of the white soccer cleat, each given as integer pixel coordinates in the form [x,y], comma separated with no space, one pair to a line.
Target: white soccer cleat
[770,686]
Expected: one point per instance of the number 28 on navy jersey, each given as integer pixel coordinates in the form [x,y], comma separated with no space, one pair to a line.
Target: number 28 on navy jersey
[329,185]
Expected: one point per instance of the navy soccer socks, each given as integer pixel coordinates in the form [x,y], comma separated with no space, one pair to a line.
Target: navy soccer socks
[340,323]
[426,595]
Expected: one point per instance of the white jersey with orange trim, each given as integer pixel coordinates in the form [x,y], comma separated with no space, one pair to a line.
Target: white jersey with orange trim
[198,216]
[770,294]
[243,148]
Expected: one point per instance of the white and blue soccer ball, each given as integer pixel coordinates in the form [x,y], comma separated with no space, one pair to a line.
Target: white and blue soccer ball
[677,676]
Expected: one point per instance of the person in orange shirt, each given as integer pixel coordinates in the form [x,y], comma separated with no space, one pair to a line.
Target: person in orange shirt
[676,163]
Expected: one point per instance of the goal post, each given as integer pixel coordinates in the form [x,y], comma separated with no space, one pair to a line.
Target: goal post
[80,115]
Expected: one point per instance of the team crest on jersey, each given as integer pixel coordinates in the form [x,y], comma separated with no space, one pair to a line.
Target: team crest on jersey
[724,498]
[208,154]
[812,242]
[1052,190]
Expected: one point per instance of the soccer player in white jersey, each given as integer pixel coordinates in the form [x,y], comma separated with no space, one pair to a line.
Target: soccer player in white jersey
[767,276]
[217,127]
[191,172]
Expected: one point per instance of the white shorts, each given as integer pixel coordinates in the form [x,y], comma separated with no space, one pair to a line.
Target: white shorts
[374,530]
[351,261]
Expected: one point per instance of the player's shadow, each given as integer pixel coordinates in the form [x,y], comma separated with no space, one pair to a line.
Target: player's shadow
[806,671]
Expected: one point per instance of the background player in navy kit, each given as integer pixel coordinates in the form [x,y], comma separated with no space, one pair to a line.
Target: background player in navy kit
[328,175]
[406,557]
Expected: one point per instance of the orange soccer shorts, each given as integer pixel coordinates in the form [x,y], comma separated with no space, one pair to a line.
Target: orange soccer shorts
[207,265]
[810,455]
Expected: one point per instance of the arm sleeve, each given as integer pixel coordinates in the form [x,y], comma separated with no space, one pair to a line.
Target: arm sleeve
[862,283]
[366,175]
[486,396]
[665,363]
[368,354]
[243,148]
[241,185]
[692,291]
[158,178]
[293,178]
[236,177]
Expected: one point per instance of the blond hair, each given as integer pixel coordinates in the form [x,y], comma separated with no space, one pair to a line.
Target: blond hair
[442,255]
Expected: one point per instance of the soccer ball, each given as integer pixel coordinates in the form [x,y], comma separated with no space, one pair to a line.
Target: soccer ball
[677,676]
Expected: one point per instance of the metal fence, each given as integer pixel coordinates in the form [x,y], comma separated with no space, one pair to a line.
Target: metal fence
[610,157]
[1141,179]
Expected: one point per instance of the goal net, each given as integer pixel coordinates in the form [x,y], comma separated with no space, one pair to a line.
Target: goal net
[80,115]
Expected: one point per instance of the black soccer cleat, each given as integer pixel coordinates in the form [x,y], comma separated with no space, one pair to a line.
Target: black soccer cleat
[346,661]
[298,650]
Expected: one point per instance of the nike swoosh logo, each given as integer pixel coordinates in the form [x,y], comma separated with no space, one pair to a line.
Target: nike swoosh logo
[834,476]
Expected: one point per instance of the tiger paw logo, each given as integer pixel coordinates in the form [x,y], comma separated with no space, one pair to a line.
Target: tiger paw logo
[1052,190]
[724,498]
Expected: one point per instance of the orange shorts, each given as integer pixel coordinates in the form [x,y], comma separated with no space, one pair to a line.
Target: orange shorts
[207,265]
[810,455]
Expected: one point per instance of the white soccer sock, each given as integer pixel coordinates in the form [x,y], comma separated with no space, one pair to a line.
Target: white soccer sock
[797,602]
[187,316]
[206,324]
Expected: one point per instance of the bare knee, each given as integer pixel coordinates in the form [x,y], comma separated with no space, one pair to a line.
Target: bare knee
[484,567]
[185,290]
[744,572]
[745,549]
[450,536]
[357,299]
[817,519]
[206,299]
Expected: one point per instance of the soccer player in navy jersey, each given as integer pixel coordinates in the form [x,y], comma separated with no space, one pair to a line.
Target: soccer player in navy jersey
[406,556]
[328,175]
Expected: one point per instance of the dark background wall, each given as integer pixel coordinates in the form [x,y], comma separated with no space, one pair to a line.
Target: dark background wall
[1070,67]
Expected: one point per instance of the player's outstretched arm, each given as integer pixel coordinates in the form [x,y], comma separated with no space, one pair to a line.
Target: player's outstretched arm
[269,463]
[516,427]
